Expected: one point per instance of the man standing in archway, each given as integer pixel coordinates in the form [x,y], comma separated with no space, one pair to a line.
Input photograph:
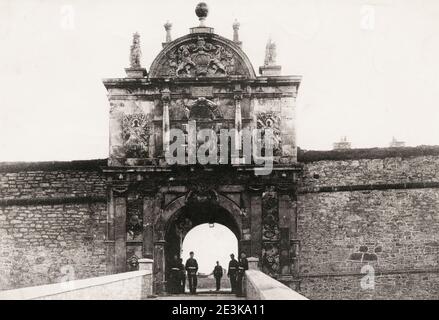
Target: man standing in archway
[174,276]
[182,276]
[232,273]
[242,267]
[192,268]
[218,274]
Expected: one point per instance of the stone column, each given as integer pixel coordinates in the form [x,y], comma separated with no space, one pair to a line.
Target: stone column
[166,135]
[238,127]
[166,97]
[238,121]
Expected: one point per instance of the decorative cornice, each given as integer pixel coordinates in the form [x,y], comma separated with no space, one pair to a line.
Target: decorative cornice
[258,81]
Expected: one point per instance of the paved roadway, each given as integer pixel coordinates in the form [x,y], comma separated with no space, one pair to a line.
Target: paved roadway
[200,296]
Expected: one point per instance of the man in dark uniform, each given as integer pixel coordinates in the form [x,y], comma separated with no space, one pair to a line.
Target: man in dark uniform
[173,286]
[243,265]
[182,277]
[232,273]
[218,274]
[192,268]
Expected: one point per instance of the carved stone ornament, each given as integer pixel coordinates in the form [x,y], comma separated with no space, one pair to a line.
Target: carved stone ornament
[182,226]
[270,215]
[271,120]
[202,193]
[270,258]
[120,189]
[200,59]
[134,222]
[136,133]
[203,108]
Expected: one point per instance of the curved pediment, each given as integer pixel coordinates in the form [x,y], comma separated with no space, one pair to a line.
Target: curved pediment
[201,55]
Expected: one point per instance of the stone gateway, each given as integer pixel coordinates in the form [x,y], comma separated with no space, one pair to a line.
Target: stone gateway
[314,221]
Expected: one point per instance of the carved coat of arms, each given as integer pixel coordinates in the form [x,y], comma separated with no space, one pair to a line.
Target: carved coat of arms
[200,59]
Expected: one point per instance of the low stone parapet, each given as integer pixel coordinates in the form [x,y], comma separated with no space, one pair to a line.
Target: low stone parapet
[134,285]
[260,286]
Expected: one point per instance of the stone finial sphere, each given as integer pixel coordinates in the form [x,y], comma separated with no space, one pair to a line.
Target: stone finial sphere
[201,10]
[168,25]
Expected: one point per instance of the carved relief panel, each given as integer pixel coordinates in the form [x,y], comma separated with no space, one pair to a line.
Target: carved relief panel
[270,216]
[271,120]
[134,223]
[270,232]
[137,129]
[270,258]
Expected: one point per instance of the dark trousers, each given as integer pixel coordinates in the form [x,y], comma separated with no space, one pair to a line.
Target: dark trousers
[239,291]
[218,283]
[173,284]
[192,278]
[182,283]
[232,277]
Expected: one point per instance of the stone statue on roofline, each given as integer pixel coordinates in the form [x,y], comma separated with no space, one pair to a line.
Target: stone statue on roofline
[135,52]
[270,53]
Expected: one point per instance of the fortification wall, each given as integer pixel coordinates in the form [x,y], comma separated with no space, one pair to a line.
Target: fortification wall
[382,212]
[52,222]
[378,208]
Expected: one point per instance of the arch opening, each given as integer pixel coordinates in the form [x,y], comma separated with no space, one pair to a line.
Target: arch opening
[210,243]
[192,228]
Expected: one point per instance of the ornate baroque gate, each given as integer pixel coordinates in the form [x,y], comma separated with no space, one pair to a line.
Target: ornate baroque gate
[208,80]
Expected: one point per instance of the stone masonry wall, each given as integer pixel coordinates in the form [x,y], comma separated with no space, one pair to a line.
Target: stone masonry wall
[378,212]
[371,171]
[400,286]
[52,223]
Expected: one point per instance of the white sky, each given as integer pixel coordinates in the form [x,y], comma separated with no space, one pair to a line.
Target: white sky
[210,245]
[370,68]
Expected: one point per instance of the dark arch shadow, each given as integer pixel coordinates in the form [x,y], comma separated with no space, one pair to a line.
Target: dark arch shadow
[188,217]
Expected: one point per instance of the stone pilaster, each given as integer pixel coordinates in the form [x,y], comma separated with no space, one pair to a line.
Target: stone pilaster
[166,125]
[256,223]
[148,226]
[238,125]
[120,211]
[159,266]
[117,151]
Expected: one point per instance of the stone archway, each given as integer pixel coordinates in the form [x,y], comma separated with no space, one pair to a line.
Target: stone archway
[178,218]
